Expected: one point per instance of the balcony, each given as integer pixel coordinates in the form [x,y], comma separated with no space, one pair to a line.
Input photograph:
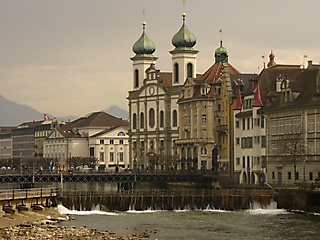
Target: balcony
[222,128]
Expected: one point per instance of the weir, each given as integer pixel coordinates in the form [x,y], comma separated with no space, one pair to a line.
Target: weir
[225,199]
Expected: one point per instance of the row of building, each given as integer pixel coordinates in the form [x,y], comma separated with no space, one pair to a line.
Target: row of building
[255,128]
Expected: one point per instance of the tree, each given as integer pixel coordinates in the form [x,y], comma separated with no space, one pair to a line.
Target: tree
[291,150]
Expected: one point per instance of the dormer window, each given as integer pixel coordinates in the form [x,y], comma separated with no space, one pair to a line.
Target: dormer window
[205,89]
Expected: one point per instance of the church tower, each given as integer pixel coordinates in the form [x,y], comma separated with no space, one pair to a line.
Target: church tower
[144,49]
[184,55]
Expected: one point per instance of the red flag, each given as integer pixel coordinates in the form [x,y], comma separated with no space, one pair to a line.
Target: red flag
[46,117]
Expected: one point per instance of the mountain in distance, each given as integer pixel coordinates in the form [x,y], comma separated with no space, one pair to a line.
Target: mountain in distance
[117,112]
[13,114]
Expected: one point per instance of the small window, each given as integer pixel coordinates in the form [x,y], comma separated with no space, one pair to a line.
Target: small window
[289,175]
[237,141]
[111,141]
[134,121]
[120,141]
[151,118]
[238,161]
[190,70]
[237,124]
[111,157]
[136,78]
[176,73]
[142,120]
[102,157]
[174,118]
[101,141]
[161,118]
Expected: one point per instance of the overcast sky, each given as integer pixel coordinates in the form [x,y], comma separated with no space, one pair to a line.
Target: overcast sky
[71,57]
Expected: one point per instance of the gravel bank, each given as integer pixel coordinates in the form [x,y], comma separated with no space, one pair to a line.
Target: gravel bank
[40,225]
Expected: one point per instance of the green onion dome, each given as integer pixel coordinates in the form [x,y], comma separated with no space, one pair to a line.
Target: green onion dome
[184,38]
[144,46]
[221,54]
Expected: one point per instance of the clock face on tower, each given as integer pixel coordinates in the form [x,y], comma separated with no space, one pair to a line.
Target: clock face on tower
[151,90]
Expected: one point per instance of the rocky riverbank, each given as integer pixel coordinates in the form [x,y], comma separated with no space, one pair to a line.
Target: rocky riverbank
[45,225]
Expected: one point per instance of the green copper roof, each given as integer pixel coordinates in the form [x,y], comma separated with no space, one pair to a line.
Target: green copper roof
[184,38]
[144,46]
[221,49]
[221,54]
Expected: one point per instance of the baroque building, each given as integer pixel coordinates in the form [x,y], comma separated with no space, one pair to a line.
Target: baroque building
[153,108]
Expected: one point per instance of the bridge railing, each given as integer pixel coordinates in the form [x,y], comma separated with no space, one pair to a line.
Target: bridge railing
[27,193]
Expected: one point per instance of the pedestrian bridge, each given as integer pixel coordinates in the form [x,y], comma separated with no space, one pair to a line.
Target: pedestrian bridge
[104,177]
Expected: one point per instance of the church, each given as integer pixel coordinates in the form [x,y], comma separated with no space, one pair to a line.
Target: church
[181,119]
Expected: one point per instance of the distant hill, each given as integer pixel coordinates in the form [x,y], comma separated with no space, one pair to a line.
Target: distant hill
[13,114]
[117,112]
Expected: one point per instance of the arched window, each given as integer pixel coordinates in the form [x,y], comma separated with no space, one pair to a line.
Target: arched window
[134,121]
[151,118]
[189,153]
[203,151]
[189,70]
[142,120]
[183,153]
[195,152]
[136,78]
[161,118]
[176,72]
[174,118]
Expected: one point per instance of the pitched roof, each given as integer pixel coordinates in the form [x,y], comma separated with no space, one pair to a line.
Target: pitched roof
[307,84]
[212,74]
[268,77]
[97,119]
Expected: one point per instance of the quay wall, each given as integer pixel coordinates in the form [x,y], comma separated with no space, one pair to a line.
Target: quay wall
[298,199]
[226,199]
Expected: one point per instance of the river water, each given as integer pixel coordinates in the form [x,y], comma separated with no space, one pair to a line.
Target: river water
[206,224]
[255,223]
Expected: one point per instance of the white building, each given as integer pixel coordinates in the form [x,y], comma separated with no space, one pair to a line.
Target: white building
[72,140]
[111,147]
[249,137]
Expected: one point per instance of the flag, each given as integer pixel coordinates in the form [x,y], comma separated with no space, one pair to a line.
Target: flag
[46,117]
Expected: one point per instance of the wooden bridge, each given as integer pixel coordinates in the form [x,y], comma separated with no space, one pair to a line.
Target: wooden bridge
[22,199]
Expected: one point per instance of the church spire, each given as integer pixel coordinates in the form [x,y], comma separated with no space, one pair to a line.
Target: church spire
[271,63]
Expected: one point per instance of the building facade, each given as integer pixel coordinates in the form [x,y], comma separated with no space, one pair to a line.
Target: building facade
[249,137]
[153,108]
[293,129]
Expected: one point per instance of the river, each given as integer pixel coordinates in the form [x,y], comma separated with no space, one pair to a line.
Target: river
[255,223]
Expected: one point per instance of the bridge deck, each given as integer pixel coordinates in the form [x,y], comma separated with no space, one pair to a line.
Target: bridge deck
[14,194]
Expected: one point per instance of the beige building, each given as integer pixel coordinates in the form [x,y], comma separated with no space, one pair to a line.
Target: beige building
[206,116]
[293,129]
